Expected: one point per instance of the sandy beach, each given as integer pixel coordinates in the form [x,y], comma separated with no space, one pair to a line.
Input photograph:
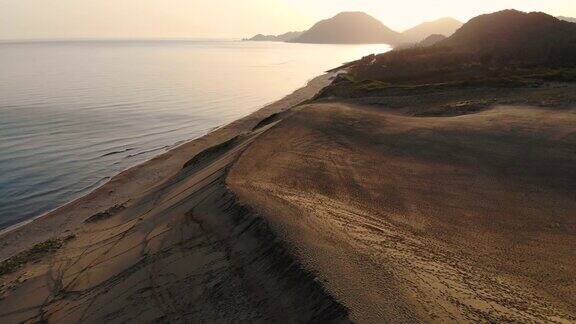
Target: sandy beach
[140,179]
[220,260]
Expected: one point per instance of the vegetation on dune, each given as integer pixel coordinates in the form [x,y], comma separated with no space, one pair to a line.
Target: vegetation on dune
[353,88]
[439,64]
[33,254]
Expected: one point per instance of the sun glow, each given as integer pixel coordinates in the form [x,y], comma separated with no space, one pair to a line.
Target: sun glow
[228,18]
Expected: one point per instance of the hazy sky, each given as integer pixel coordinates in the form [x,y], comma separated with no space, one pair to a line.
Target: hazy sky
[31,19]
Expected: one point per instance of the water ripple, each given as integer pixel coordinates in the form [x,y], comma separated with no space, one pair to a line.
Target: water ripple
[73,114]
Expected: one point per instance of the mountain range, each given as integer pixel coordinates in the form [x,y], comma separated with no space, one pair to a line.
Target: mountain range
[361,28]
[503,45]
[286,37]
[443,26]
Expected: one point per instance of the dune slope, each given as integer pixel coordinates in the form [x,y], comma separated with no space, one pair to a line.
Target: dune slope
[179,248]
[434,219]
[185,252]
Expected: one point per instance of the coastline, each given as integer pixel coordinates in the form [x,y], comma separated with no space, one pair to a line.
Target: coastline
[136,181]
[276,216]
[166,241]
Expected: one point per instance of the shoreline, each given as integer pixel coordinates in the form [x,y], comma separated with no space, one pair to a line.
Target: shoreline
[298,213]
[137,180]
[109,178]
[166,241]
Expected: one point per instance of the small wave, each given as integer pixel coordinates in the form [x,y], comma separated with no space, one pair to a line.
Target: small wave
[148,151]
[117,152]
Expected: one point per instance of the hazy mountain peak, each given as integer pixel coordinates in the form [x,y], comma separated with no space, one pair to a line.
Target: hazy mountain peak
[348,14]
[443,26]
[349,28]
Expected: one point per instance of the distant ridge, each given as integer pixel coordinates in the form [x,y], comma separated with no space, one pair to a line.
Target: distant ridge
[568,19]
[349,28]
[361,28]
[443,26]
[286,37]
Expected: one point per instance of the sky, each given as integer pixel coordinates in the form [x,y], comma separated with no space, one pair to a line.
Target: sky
[104,19]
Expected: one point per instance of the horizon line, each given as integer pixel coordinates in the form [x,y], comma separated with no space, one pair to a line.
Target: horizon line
[113,39]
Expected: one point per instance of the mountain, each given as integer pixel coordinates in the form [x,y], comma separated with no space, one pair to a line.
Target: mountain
[443,26]
[516,35]
[286,37]
[507,46]
[568,19]
[262,38]
[349,28]
[361,28]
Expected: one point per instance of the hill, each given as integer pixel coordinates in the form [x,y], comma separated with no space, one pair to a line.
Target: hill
[286,37]
[518,34]
[349,28]
[443,26]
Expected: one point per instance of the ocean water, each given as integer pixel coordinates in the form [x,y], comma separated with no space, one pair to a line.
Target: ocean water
[75,113]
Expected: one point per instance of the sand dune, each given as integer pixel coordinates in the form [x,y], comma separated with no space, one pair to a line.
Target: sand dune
[409,219]
[410,209]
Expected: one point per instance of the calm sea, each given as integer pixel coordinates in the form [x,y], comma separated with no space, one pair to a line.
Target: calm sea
[73,114]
